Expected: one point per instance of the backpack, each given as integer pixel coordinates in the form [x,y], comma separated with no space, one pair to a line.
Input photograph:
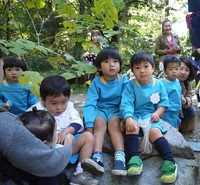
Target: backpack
[7,170]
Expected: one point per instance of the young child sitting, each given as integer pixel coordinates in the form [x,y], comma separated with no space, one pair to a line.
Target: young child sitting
[54,95]
[43,125]
[173,89]
[144,99]
[13,96]
[101,109]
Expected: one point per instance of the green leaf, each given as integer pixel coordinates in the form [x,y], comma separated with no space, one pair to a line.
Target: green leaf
[31,77]
[38,3]
[68,76]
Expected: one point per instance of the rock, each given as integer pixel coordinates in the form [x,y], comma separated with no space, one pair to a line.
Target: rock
[183,153]
[184,156]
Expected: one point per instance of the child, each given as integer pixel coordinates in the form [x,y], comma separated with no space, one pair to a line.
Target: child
[101,109]
[13,96]
[144,98]
[173,89]
[90,55]
[43,125]
[186,76]
[54,95]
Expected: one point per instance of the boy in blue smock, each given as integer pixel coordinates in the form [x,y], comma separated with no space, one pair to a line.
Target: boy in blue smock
[13,96]
[101,110]
[173,89]
[145,99]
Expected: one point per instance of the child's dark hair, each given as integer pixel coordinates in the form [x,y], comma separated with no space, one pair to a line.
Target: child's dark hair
[40,123]
[188,63]
[170,59]
[105,54]
[14,62]
[141,56]
[54,86]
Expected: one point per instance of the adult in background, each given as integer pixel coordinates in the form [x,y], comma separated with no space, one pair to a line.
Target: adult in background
[166,43]
[21,150]
[186,76]
[196,55]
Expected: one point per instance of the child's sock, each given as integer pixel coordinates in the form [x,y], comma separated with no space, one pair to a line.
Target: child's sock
[163,148]
[79,169]
[120,155]
[132,142]
[98,155]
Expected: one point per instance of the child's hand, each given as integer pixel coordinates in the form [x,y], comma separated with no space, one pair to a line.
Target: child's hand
[5,106]
[61,136]
[131,125]
[69,140]
[155,117]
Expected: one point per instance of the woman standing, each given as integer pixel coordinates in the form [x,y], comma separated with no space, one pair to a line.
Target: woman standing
[167,43]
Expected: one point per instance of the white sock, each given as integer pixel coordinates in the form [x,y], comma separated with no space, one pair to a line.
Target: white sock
[79,169]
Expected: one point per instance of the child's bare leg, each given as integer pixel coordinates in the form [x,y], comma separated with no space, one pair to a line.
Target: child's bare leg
[118,144]
[99,132]
[115,133]
[95,165]
[84,145]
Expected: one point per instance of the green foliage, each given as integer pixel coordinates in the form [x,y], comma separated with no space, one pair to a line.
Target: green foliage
[57,30]
[33,78]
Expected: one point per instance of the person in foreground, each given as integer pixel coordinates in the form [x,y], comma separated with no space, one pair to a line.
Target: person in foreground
[186,76]
[54,98]
[43,125]
[101,110]
[144,98]
[24,151]
[173,89]
[13,97]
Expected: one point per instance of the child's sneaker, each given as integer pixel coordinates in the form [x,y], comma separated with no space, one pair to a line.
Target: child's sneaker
[119,168]
[94,166]
[169,172]
[84,178]
[135,166]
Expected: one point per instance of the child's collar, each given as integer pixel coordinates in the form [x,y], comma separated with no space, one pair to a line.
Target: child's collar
[153,82]
[102,79]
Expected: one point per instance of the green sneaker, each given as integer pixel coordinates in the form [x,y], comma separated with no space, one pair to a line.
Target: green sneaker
[169,172]
[135,166]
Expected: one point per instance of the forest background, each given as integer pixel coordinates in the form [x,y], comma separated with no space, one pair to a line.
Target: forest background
[52,35]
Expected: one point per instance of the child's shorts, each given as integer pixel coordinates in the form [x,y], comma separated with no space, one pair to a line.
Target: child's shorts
[74,158]
[108,113]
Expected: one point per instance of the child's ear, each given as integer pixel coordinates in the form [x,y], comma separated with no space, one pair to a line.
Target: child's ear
[42,100]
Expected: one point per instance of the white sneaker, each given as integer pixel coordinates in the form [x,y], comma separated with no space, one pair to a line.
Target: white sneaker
[198,105]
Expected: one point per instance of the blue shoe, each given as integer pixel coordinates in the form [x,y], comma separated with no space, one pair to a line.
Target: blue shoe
[94,166]
[119,168]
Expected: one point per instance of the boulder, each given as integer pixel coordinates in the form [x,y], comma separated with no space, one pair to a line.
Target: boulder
[184,156]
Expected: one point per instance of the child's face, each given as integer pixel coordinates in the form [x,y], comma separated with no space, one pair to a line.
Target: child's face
[13,73]
[95,38]
[143,72]
[184,72]
[110,68]
[56,105]
[172,70]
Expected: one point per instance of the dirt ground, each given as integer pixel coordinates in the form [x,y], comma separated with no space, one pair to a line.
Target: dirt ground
[79,100]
